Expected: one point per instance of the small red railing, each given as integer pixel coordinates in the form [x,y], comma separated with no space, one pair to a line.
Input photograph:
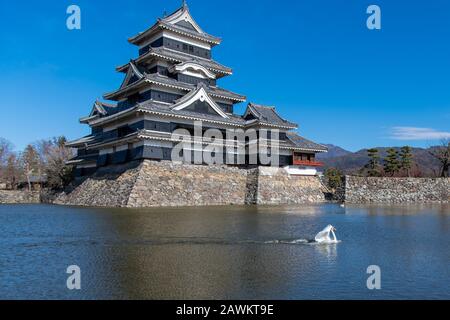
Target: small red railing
[308,163]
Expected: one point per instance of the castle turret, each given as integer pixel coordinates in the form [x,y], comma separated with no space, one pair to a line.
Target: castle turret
[170,85]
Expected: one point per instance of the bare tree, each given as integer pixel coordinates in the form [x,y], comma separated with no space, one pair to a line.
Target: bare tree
[442,154]
[53,155]
[30,162]
[12,172]
[43,149]
[5,151]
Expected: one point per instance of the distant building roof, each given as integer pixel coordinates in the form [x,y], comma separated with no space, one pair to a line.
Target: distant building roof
[305,144]
[267,115]
[36,179]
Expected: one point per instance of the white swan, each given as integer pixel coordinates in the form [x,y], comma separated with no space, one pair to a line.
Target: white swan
[324,235]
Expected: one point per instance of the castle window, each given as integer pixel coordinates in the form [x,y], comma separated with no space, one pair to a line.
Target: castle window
[124,131]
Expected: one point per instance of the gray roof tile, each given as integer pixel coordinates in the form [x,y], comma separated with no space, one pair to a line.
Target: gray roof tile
[211,90]
[163,80]
[269,115]
[166,109]
[302,143]
[161,25]
[183,57]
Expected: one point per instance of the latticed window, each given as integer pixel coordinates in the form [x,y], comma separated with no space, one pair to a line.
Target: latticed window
[304,157]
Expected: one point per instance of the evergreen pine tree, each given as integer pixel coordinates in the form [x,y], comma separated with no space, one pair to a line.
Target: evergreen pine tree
[334,178]
[374,161]
[406,160]
[391,163]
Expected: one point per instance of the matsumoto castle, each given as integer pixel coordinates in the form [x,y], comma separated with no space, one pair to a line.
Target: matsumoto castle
[172,85]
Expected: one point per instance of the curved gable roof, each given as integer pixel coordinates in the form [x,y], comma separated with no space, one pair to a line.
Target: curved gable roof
[267,115]
[180,22]
[182,17]
[201,95]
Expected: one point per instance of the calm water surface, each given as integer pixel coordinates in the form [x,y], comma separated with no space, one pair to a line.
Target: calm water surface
[224,252]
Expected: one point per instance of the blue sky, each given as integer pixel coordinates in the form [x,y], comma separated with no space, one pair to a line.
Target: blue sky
[315,60]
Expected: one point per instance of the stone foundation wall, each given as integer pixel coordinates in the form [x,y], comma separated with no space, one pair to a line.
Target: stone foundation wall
[164,184]
[168,184]
[17,197]
[276,186]
[395,190]
[108,187]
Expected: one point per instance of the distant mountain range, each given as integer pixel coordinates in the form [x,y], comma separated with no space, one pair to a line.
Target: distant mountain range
[352,162]
[333,152]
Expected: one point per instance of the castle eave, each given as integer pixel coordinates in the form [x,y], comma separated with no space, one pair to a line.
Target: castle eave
[114,117]
[133,137]
[152,135]
[270,125]
[173,84]
[118,94]
[86,120]
[179,57]
[151,109]
[303,149]
[80,142]
[140,38]
[299,143]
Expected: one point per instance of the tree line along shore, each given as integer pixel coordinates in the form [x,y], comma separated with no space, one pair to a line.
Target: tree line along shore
[395,163]
[40,164]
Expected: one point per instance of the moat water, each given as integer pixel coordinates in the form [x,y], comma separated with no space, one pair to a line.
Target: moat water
[224,252]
